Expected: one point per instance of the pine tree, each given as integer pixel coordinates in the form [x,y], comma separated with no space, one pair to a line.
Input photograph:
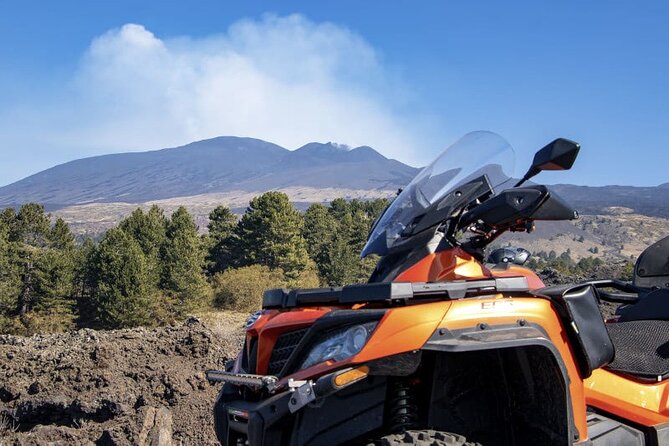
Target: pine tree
[148,230]
[123,295]
[31,225]
[10,278]
[60,237]
[183,259]
[270,234]
[222,222]
[220,239]
[29,231]
[319,231]
[336,237]
[339,208]
[343,265]
[44,257]
[375,208]
[54,303]
[55,267]
[83,285]
[7,217]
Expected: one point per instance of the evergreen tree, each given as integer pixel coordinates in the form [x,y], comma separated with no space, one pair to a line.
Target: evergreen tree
[336,237]
[55,272]
[343,265]
[10,278]
[222,222]
[123,295]
[339,208]
[29,231]
[183,261]
[54,304]
[270,234]
[375,208]
[84,278]
[148,230]
[7,217]
[319,231]
[221,239]
[30,226]
[60,237]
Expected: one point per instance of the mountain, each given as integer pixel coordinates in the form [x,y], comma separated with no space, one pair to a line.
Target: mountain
[94,194]
[217,165]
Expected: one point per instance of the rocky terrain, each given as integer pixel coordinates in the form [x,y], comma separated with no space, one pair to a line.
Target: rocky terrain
[135,386]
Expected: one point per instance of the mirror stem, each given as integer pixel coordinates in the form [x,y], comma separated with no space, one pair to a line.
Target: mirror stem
[530,173]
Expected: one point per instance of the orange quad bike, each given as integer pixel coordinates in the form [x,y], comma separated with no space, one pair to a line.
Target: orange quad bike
[443,348]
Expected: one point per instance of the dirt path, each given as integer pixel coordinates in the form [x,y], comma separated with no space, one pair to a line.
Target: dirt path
[138,386]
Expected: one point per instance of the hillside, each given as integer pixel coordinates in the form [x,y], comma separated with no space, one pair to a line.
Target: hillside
[217,165]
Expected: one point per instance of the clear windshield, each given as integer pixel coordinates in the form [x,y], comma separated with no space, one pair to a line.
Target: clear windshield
[475,154]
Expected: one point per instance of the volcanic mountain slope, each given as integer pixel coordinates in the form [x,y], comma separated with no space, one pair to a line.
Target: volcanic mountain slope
[215,165]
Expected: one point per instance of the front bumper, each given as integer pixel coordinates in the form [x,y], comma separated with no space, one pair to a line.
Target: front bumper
[340,417]
[237,419]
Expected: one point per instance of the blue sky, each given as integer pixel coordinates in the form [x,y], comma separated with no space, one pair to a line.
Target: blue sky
[80,78]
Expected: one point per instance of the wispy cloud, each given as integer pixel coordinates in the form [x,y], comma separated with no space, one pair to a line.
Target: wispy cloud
[288,80]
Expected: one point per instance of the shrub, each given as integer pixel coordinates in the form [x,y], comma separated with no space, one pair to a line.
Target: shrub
[53,321]
[308,278]
[241,289]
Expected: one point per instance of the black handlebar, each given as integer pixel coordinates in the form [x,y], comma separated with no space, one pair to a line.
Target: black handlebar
[629,293]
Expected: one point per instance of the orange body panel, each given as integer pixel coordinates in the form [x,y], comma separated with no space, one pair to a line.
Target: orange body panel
[450,264]
[642,402]
[457,264]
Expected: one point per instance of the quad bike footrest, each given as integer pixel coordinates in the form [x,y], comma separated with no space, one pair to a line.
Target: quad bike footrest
[256,382]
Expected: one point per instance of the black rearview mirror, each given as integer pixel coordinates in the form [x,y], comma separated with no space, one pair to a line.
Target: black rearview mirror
[557,155]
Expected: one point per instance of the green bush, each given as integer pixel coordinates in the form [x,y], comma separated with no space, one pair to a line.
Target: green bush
[241,289]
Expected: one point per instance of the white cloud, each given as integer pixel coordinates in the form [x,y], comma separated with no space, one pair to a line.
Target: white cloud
[283,79]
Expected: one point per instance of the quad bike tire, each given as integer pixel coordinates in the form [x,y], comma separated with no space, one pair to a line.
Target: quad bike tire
[425,437]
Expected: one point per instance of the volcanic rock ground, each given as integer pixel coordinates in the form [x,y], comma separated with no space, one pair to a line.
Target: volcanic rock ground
[135,386]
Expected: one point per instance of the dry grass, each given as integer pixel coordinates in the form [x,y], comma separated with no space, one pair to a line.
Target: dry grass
[7,425]
[224,323]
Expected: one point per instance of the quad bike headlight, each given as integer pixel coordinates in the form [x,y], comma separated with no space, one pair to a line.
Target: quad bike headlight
[250,322]
[340,344]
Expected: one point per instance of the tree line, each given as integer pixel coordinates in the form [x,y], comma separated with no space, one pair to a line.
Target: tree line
[153,268]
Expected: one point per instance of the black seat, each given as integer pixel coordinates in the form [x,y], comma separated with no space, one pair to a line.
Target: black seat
[641,337]
[641,348]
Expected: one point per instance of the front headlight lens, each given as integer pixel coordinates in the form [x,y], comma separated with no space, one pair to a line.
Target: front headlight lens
[340,344]
[250,322]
